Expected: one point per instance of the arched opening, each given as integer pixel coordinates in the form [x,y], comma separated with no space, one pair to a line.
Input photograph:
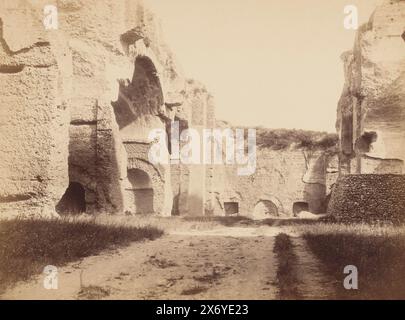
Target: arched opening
[231,208]
[141,97]
[265,209]
[300,206]
[145,79]
[140,192]
[73,201]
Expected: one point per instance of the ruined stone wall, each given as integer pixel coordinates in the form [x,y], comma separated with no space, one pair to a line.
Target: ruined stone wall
[79,103]
[369,198]
[57,97]
[35,77]
[282,178]
[110,42]
[371,117]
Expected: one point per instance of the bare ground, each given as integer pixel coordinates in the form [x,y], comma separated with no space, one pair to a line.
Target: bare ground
[222,263]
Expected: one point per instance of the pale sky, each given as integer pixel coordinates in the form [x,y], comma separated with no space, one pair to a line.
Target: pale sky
[271,63]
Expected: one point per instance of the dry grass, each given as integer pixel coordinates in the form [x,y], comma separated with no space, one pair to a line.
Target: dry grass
[241,221]
[358,228]
[167,224]
[177,223]
[227,221]
[377,251]
[27,246]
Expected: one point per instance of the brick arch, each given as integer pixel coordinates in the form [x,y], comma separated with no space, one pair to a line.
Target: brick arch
[156,178]
[265,200]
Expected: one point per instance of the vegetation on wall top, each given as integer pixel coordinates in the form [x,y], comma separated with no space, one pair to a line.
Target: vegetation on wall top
[281,139]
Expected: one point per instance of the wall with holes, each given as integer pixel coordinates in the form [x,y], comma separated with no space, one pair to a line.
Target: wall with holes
[281,179]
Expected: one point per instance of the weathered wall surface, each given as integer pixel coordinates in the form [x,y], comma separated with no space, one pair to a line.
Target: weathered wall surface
[79,103]
[57,97]
[191,183]
[35,77]
[117,49]
[371,117]
[282,178]
[369,198]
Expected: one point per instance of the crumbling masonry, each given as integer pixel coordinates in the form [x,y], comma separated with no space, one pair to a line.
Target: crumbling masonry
[77,105]
[371,121]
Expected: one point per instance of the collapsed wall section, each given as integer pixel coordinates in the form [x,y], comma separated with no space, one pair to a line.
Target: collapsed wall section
[371,117]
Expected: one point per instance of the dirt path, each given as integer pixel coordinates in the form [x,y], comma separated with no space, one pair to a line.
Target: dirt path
[226,263]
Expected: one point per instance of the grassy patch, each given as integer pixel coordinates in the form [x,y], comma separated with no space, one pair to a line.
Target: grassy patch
[378,252]
[287,278]
[225,221]
[187,223]
[243,221]
[27,246]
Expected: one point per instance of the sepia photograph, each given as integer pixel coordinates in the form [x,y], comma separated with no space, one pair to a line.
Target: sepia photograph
[202,150]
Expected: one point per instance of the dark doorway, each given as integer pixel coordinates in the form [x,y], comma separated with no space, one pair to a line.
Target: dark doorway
[144,200]
[73,201]
[231,208]
[141,192]
[300,206]
[175,207]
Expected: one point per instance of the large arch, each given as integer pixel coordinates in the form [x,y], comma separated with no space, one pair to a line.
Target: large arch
[267,207]
[141,106]
[140,97]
